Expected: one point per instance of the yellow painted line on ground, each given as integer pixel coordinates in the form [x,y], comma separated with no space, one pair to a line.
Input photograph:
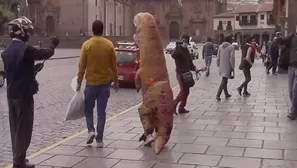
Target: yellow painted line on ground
[79,133]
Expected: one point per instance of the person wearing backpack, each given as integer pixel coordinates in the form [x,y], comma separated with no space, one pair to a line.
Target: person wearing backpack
[290,63]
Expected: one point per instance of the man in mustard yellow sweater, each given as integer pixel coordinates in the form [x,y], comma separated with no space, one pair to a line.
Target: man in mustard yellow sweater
[98,64]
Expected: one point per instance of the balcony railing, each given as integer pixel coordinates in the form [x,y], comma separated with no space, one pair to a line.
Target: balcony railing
[229,27]
[248,23]
[220,27]
[271,21]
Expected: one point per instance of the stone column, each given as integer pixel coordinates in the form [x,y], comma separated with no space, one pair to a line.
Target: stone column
[115,18]
[104,18]
[124,21]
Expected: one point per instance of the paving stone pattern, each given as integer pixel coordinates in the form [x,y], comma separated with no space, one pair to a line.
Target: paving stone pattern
[52,101]
[240,132]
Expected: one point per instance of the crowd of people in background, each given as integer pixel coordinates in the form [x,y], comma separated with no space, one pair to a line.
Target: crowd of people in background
[279,53]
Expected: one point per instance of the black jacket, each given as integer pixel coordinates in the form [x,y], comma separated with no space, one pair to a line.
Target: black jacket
[183,60]
[19,59]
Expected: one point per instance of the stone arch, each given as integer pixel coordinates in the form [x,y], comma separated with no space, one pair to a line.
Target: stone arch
[221,38]
[174,30]
[50,24]
[265,37]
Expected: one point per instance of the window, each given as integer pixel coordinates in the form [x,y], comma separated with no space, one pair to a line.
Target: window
[220,26]
[121,30]
[125,57]
[262,17]
[253,19]
[110,29]
[237,18]
[229,26]
[244,19]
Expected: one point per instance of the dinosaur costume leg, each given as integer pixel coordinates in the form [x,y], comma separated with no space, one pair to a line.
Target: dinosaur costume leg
[164,126]
[147,117]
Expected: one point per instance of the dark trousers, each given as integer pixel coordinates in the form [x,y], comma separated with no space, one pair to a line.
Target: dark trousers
[183,94]
[223,86]
[99,94]
[21,116]
[273,66]
[248,78]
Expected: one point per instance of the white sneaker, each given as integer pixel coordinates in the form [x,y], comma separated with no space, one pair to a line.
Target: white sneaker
[91,138]
[100,144]
[149,140]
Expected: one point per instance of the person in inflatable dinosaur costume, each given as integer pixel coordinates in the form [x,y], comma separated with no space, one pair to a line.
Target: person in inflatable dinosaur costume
[157,109]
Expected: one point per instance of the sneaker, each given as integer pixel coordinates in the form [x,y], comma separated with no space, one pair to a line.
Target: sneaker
[100,144]
[182,110]
[292,116]
[246,94]
[26,165]
[218,98]
[228,96]
[149,140]
[91,138]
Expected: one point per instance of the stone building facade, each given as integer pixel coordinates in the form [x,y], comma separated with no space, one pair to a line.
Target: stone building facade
[74,17]
[194,17]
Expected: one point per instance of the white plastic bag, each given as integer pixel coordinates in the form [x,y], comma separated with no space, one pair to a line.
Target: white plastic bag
[74,84]
[76,107]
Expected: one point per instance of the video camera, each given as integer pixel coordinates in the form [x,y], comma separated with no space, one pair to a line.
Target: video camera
[179,43]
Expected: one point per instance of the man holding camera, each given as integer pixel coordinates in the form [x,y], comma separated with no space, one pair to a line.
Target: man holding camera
[20,70]
[184,64]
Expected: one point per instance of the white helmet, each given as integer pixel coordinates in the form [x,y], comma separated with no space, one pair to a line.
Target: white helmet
[20,26]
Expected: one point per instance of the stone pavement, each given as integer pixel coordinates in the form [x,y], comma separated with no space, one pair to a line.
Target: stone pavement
[250,132]
[51,104]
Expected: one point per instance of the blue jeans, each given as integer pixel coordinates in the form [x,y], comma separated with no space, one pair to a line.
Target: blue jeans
[293,88]
[100,94]
[208,60]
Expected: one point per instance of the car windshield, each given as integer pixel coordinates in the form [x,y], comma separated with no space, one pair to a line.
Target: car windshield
[125,57]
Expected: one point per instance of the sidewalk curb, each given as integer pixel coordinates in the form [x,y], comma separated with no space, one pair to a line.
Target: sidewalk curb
[58,58]
[41,151]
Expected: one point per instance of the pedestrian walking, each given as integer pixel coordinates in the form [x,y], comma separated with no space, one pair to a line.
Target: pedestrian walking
[207,52]
[184,65]
[264,49]
[274,54]
[19,59]
[99,66]
[226,63]
[248,58]
[291,43]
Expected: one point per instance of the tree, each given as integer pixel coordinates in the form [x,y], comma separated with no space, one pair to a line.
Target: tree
[5,16]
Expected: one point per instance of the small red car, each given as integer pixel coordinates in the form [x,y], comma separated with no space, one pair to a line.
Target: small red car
[128,60]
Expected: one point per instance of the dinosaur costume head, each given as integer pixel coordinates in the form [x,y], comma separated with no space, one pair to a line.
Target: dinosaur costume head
[156,111]
[152,59]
